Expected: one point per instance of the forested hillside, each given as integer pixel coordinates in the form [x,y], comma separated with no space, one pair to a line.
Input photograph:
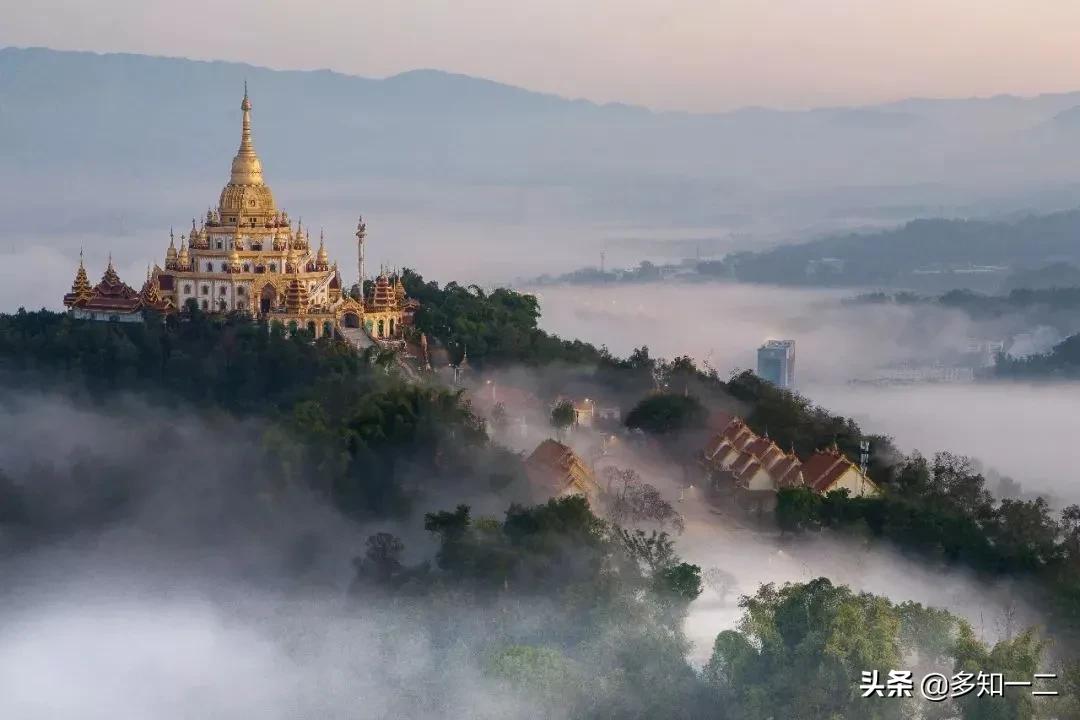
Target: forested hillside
[947,253]
[559,605]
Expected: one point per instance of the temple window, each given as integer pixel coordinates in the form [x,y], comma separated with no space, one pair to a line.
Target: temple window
[187,289]
[224,291]
[273,267]
[209,267]
[247,267]
[205,290]
[218,244]
[240,290]
[224,267]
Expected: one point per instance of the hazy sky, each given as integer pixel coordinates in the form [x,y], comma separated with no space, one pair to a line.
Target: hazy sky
[692,54]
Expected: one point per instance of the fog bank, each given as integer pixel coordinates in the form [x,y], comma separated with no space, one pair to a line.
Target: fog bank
[1020,430]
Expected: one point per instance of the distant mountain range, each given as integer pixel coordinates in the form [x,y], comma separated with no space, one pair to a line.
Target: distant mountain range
[112,133]
[65,111]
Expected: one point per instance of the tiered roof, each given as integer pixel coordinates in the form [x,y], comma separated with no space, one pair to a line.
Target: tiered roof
[296,295]
[383,297]
[111,295]
[151,297]
[80,288]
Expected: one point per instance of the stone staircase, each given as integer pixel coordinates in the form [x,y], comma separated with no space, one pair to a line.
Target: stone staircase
[356,337]
[359,339]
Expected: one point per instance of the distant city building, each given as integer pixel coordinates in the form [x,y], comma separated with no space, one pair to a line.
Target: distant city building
[776,363]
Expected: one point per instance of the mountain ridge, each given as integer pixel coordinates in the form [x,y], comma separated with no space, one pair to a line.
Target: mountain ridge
[131,121]
[423,72]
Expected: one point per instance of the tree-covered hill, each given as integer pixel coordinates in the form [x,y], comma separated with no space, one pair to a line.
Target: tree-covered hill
[941,250]
[582,617]
[1061,363]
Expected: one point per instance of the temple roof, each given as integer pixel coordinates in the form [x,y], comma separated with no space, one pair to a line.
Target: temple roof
[246,193]
[110,295]
[824,468]
[384,296]
[80,288]
[296,295]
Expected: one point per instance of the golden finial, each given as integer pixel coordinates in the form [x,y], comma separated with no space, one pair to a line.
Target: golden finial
[246,167]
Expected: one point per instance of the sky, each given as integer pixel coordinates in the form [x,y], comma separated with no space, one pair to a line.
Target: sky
[699,55]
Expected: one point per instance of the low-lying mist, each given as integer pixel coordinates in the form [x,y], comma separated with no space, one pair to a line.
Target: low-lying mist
[159,574]
[1022,431]
[165,575]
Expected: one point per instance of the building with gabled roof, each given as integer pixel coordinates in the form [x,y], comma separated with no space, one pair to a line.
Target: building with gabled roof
[829,470]
[737,459]
[556,469]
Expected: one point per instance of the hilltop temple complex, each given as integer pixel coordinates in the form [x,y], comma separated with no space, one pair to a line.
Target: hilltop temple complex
[247,256]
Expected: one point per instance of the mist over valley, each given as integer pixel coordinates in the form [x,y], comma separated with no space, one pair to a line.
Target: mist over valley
[453,460]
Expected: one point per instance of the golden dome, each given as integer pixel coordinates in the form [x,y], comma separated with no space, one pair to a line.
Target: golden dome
[184,258]
[246,193]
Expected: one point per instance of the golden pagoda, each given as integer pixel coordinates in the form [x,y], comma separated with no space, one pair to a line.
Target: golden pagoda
[80,288]
[246,257]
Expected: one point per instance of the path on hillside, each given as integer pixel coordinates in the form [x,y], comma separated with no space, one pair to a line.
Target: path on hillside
[359,339]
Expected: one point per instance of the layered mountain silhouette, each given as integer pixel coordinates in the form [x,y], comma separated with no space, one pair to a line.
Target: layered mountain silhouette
[150,115]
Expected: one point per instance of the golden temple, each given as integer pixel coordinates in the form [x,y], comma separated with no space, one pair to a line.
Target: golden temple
[248,257]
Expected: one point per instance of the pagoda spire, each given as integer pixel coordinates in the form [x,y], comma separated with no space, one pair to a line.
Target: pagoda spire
[246,166]
[110,277]
[80,288]
[245,131]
